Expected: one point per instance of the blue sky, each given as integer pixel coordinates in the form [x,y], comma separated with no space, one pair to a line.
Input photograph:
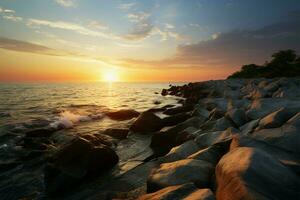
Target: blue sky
[148,33]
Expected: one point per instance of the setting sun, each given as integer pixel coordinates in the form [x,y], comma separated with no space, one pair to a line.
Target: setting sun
[110,76]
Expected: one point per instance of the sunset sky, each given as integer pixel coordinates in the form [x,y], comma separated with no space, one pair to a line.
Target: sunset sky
[145,40]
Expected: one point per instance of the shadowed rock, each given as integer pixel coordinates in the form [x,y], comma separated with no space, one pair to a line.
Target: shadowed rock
[147,122]
[254,174]
[123,114]
[116,133]
[74,163]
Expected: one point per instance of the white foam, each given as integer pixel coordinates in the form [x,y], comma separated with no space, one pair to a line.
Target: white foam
[68,119]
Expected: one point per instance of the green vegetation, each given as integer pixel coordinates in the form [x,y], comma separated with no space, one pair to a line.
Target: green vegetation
[284,63]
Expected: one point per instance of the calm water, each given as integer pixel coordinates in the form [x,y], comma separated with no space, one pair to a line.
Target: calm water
[78,107]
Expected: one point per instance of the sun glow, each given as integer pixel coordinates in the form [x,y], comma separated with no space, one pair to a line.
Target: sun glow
[110,76]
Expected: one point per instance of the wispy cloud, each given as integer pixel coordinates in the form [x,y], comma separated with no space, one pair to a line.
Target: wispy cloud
[66,3]
[97,25]
[127,6]
[70,26]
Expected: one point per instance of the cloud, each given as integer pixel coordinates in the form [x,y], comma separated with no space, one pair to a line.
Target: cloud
[22,46]
[9,15]
[127,6]
[143,28]
[228,51]
[70,26]
[169,26]
[66,3]
[12,18]
[97,25]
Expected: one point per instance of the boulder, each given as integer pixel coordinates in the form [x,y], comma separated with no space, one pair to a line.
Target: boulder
[77,161]
[287,158]
[181,152]
[276,119]
[200,112]
[171,192]
[147,122]
[116,133]
[238,116]
[216,114]
[249,127]
[162,142]
[248,173]
[201,194]
[207,139]
[175,119]
[286,137]
[262,107]
[212,153]
[295,120]
[125,114]
[181,109]
[41,132]
[217,125]
[180,172]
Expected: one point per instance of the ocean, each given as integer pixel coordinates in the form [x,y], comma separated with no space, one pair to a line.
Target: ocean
[73,109]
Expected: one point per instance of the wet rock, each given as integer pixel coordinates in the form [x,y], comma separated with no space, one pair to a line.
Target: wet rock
[74,163]
[200,112]
[216,114]
[123,114]
[181,109]
[175,119]
[276,119]
[164,92]
[254,174]
[116,133]
[171,192]
[180,172]
[217,125]
[295,120]
[147,122]
[100,139]
[41,132]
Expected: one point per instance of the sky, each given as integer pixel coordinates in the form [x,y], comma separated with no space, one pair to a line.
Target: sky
[141,40]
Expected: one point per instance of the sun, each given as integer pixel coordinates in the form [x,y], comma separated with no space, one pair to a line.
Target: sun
[110,76]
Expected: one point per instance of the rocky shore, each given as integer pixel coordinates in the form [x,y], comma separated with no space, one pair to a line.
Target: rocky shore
[229,139]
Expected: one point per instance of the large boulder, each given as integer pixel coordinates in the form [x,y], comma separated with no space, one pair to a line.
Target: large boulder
[248,173]
[262,107]
[177,110]
[117,133]
[238,116]
[276,119]
[77,161]
[175,119]
[186,191]
[287,158]
[181,152]
[163,141]
[212,153]
[286,137]
[171,192]
[201,194]
[125,114]
[207,139]
[249,127]
[217,125]
[147,122]
[180,172]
